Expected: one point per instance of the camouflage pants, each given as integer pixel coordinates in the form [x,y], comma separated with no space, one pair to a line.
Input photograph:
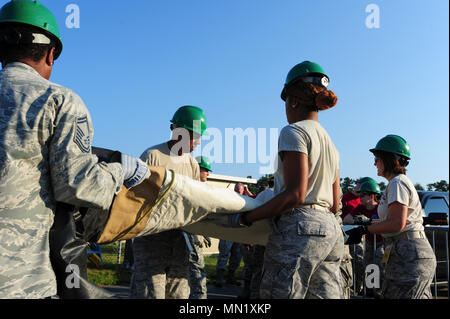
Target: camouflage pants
[409,270]
[346,273]
[375,257]
[253,256]
[229,252]
[357,253]
[197,274]
[258,261]
[303,257]
[161,267]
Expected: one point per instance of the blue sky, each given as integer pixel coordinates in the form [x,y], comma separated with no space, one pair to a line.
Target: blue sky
[135,62]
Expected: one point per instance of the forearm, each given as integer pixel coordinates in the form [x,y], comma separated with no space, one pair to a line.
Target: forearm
[276,206]
[336,194]
[386,227]
[395,222]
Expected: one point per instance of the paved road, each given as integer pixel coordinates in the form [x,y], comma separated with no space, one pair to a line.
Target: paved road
[227,292]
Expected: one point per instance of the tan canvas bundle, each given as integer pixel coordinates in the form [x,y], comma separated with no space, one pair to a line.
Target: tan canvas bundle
[168,201]
[131,208]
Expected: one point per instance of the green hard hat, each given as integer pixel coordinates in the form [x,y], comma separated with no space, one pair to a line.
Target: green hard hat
[204,162]
[309,72]
[191,118]
[365,179]
[35,14]
[393,144]
[370,186]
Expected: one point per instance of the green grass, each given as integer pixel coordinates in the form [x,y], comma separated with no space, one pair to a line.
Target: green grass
[112,273]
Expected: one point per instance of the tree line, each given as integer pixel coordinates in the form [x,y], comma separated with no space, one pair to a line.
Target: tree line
[348,184]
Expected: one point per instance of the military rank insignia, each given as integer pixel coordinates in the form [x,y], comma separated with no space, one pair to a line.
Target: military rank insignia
[82,138]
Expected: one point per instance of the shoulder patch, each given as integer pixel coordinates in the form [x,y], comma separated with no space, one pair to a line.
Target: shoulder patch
[82,138]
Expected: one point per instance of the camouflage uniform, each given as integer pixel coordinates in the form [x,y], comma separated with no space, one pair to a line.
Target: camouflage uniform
[357,257]
[253,256]
[371,258]
[45,145]
[161,266]
[411,262]
[303,256]
[228,252]
[409,270]
[258,261]
[197,274]
[162,260]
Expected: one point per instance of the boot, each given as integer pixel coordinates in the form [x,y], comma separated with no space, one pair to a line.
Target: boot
[219,279]
[231,280]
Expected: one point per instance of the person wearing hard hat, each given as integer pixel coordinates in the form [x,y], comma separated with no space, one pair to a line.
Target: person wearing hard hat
[45,151]
[351,201]
[366,214]
[205,167]
[410,262]
[162,260]
[197,273]
[304,252]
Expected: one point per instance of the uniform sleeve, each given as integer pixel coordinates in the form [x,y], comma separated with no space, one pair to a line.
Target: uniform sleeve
[398,192]
[77,177]
[148,158]
[195,170]
[294,140]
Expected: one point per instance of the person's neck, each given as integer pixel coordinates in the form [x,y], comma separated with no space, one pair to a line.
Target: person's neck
[307,115]
[390,177]
[40,67]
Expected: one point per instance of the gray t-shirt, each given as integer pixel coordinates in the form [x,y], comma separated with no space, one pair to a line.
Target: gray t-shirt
[310,138]
[401,189]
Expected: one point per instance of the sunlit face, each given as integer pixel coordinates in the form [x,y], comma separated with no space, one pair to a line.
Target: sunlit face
[204,173]
[290,110]
[366,199]
[186,139]
[239,188]
[380,166]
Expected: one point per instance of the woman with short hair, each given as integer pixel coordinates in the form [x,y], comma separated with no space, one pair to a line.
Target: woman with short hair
[409,258]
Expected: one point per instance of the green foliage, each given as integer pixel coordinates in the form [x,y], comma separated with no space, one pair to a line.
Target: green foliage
[441,186]
[111,273]
[347,184]
[262,182]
